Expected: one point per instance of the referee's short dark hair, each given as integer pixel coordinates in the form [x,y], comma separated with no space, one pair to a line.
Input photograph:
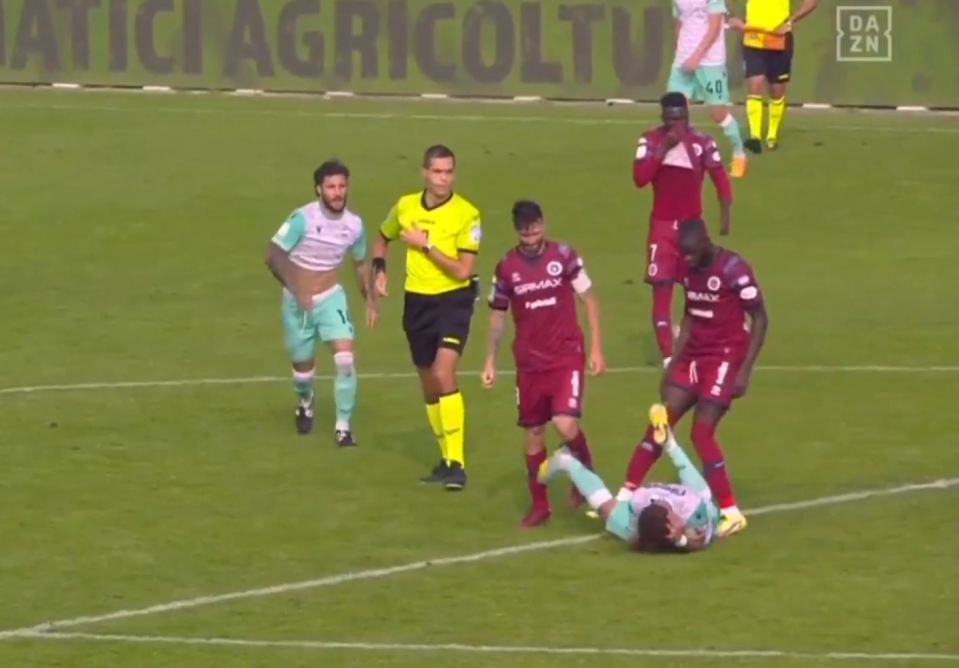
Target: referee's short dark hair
[437,151]
[330,168]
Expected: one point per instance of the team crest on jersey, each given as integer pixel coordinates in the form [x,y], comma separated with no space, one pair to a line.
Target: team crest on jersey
[713,283]
[515,278]
[554,268]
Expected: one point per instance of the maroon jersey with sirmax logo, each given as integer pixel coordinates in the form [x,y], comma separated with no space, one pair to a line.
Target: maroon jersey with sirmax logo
[541,292]
[718,297]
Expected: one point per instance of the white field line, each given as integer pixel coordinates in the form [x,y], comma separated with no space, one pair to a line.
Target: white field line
[498,649]
[314,114]
[333,580]
[376,375]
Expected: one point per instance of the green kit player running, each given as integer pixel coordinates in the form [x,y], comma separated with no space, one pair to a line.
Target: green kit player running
[699,67]
[656,517]
[305,255]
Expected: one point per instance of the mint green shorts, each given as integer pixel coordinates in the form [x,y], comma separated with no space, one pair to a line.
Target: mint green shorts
[328,321]
[708,84]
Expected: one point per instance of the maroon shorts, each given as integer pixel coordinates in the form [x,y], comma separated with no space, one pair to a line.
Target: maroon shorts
[542,395]
[711,378]
[664,261]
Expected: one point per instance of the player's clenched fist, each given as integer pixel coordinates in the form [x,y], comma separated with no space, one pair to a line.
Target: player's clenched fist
[489,374]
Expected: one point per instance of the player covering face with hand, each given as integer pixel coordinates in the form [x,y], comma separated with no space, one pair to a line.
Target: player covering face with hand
[656,517]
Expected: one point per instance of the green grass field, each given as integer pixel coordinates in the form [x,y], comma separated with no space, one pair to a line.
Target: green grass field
[133,231]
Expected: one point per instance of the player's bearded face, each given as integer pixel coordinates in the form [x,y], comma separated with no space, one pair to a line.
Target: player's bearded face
[531,235]
[439,177]
[333,192]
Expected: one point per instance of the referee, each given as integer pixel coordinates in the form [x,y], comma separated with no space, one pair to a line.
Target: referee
[767,54]
[442,233]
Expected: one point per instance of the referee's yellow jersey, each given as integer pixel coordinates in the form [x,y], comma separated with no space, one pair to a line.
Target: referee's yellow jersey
[453,228]
[764,16]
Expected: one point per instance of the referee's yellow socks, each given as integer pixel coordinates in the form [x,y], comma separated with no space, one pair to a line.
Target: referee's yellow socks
[453,416]
[754,113]
[776,110]
[436,424]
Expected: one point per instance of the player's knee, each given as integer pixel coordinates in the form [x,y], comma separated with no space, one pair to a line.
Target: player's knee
[567,426]
[344,362]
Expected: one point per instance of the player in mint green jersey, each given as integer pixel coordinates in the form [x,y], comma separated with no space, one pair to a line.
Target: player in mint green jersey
[305,255]
[656,517]
[699,68]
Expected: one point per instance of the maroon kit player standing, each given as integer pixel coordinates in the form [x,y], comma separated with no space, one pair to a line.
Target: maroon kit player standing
[539,281]
[674,158]
[723,330]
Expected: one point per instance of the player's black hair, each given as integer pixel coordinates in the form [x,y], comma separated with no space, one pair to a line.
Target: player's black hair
[672,100]
[330,168]
[691,228]
[437,151]
[526,211]
[654,529]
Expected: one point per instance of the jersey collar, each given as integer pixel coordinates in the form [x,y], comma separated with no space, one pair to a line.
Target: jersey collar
[441,204]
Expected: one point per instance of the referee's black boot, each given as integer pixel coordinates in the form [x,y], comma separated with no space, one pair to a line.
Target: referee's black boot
[455,478]
[438,475]
[753,145]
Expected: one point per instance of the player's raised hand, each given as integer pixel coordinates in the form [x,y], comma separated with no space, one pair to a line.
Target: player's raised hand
[489,374]
[673,136]
[597,363]
[379,284]
[415,238]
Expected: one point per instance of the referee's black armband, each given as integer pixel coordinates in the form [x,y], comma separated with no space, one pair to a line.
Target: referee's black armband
[379,264]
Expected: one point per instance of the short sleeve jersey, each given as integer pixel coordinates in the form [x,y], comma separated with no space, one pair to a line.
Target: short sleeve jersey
[453,228]
[318,240]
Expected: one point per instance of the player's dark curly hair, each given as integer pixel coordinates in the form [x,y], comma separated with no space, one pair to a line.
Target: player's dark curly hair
[330,168]
[654,530]
[526,211]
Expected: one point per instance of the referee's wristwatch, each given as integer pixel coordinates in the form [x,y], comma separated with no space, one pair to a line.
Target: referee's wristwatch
[426,249]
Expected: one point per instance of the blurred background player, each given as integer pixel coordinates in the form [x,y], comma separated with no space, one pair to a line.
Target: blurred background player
[699,67]
[442,233]
[673,158]
[767,54]
[305,255]
[723,330]
[540,279]
[656,517]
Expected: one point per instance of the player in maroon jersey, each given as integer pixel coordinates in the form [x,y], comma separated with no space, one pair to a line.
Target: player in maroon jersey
[674,158]
[723,330]
[539,280]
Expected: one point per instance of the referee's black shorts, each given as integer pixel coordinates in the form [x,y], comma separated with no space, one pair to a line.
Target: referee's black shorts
[437,321]
[776,66]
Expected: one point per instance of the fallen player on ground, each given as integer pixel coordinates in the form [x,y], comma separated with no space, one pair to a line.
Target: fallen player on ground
[655,517]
